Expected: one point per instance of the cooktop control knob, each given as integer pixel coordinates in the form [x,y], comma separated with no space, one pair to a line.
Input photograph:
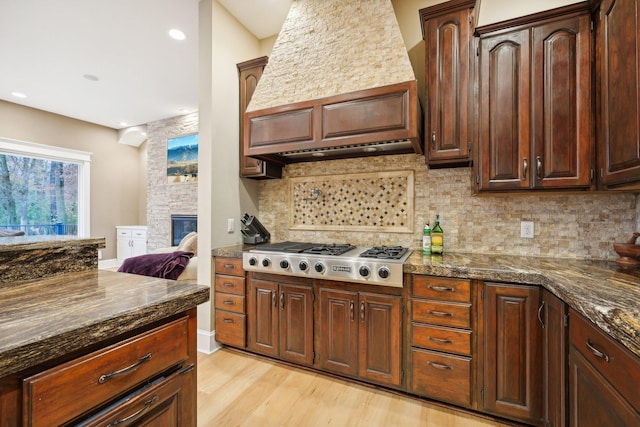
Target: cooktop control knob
[266,262]
[364,271]
[319,267]
[384,272]
[303,266]
[253,260]
[284,264]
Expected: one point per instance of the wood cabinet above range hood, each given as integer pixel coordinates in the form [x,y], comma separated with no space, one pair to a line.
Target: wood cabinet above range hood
[382,120]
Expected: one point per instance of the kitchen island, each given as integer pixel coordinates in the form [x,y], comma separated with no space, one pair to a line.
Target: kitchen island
[79,339]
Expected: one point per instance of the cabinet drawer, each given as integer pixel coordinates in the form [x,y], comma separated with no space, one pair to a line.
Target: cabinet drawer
[622,369]
[229,302]
[231,328]
[62,393]
[443,339]
[124,233]
[441,376]
[442,288]
[230,284]
[442,313]
[230,266]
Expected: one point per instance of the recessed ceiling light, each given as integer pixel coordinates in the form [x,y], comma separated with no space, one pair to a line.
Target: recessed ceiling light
[123,123]
[91,77]
[177,34]
[18,94]
[184,110]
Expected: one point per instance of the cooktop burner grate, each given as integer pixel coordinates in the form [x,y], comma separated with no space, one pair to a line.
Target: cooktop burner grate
[384,252]
[333,250]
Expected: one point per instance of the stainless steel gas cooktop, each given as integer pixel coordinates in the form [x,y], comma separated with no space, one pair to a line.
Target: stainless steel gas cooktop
[379,265]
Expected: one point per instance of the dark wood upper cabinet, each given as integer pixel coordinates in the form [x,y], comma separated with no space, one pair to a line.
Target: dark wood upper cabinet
[249,73]
[536,115]
[618,88]
[450,60]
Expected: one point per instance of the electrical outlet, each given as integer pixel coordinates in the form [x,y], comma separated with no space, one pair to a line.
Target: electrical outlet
[230,225]
[526,229]
[99,254]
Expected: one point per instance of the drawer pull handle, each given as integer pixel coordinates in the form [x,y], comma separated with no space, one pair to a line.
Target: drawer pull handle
[439,366]
[133,367]
[440,313]
[351,310]
[228,303]
[440,340]
[136,414]
[441,288]
[596,352]
[227,320]
[229,285]
[230,266]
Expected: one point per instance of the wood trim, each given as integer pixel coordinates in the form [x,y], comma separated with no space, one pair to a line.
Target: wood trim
[534,18]
[444,8]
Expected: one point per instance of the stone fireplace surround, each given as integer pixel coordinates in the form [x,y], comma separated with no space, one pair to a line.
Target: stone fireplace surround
[163,199]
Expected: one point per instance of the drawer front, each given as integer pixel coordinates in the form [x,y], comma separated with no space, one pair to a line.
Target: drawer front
[442,288]
[231,328]
[442,339]
[62,393]
[229,302]
[124,233]
[230,284]
[442,313]
[230,266]
[622,369]
[139,234]
[441,376]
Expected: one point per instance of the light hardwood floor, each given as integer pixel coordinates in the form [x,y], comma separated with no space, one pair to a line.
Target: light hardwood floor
[236,389]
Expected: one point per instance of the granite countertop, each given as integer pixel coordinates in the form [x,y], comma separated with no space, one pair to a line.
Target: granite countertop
[46,318]
[599,290]
[20,243]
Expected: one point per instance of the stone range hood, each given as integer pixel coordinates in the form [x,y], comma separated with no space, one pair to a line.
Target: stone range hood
[338,84]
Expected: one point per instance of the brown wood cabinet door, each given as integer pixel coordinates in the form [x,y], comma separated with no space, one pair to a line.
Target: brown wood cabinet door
[338,330]
[562,111]
[380,334]
[505,136]
[262,315]
[618,87]
[296,323]
[594,402]
[554,360]
[512,351]
[450,93]
[249,74]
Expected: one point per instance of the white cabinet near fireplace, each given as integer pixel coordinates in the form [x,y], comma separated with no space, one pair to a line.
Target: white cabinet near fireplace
[132,241]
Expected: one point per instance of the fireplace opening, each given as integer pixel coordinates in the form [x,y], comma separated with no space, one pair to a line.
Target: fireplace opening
[181,225]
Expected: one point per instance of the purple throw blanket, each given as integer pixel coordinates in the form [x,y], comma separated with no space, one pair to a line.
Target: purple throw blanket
[167,266]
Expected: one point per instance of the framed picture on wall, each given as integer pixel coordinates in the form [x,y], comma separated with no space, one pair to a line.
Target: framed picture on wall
[182,159]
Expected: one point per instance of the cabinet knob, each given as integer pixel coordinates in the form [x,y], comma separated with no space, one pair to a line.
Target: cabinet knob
[525,167]
[433,140]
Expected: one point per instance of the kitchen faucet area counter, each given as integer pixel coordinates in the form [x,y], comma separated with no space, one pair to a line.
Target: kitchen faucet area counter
[599,290]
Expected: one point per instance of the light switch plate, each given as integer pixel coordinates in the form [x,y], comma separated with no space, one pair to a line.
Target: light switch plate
[230,225]
[526,229]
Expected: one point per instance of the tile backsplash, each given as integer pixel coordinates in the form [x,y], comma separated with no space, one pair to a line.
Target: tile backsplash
[575,225]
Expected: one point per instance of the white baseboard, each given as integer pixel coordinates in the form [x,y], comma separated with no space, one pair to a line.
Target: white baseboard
[108,263]
[206,341]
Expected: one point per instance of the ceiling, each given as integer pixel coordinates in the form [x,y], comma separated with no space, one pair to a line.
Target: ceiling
[53,51]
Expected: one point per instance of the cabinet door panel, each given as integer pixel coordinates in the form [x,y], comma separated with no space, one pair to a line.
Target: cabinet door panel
[379,338]
[338,331]
[619,90]
[262,312]
[594,402]
[296,323]
[554,360]
[505,111]
[562,118]
[448,40]
[512,353]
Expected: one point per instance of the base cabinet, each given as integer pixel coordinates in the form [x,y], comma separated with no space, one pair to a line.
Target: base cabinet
[360,335]
[512,340]
[603,378]
[280,318]
[230,302]
[131,241]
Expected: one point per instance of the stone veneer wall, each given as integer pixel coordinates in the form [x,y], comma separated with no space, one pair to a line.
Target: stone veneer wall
[582,225]
[323,50]
[163,199]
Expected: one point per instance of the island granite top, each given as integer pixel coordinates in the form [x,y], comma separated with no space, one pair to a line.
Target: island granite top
[43,319]
[599,290]
[21,243]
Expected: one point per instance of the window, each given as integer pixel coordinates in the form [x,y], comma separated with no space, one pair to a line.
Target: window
[44,189]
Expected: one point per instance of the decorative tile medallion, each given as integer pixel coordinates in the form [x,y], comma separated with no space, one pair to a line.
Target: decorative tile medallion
[379,201]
